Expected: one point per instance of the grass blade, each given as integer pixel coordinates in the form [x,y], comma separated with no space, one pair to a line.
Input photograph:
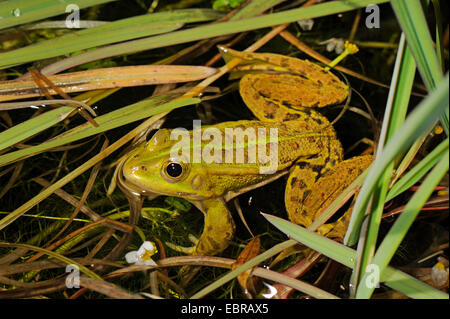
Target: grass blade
[398,231]
[112,32]
[410,286]
[122,116]
[60,257]
[342,254]
[11,217]
[208,31]
[249,264]
[254,8]
[412,20]
[299,285]
[439,33]
[395,112]
[421,119]
[18,12]
[418,171]
[122,76]
[33,126]
[346,256]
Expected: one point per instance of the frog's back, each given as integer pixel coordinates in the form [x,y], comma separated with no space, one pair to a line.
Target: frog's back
[291,142]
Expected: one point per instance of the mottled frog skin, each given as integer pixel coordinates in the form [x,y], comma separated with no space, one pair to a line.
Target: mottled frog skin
[284,97]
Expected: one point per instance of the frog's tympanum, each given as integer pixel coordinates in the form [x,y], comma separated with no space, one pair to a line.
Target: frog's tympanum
[282,97]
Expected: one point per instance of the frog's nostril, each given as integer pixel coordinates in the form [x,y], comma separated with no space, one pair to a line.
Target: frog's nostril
[129,170]
[144,168]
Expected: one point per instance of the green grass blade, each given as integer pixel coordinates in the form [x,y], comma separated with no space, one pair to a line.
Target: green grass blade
[418,171]
[410,286]
[247,265]
[162,111]
[299,285]
[33,126]
[60,257]
[112,32]
[396,108]
[18,12]
[439,33]
[398,231]
[399,93]
[412,20]
[254,8]
[209,31]
[391,277]
[342,254]
[421,119]
[122,116]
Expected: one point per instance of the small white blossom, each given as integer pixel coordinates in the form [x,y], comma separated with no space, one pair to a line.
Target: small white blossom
[334,44]
[271,292]
[439,274]
[143,255]
[306,24]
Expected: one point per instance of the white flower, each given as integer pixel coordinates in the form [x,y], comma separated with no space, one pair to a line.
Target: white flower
[439,274]
[334,44]
[143,255]
[306,24]
[272,291]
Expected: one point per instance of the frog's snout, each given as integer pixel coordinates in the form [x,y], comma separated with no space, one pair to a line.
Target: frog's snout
[132,170]
[133,178]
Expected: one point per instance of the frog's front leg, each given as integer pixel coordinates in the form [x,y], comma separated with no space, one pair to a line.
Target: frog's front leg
[217,232]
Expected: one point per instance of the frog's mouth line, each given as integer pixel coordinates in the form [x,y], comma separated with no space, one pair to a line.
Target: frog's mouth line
[128,187]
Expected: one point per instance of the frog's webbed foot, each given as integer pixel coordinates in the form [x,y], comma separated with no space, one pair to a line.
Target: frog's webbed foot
[304,203]
[217,232]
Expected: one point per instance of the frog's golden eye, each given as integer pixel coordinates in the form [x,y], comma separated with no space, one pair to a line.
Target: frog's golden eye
[174,171]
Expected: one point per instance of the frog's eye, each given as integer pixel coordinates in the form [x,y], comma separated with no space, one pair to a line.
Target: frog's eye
[174,171]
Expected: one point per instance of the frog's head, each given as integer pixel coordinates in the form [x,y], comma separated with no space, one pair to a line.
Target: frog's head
[151,170]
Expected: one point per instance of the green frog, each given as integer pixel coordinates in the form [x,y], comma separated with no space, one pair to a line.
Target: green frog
[283,93]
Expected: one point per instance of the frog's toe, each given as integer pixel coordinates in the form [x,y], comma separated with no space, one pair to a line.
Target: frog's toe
[193,239]
[185,250]
[181,249]
[339,228]
[325,229]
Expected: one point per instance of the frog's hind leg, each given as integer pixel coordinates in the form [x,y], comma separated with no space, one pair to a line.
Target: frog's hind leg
[304,175]
[273,100]
[351,168]
[323,192]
